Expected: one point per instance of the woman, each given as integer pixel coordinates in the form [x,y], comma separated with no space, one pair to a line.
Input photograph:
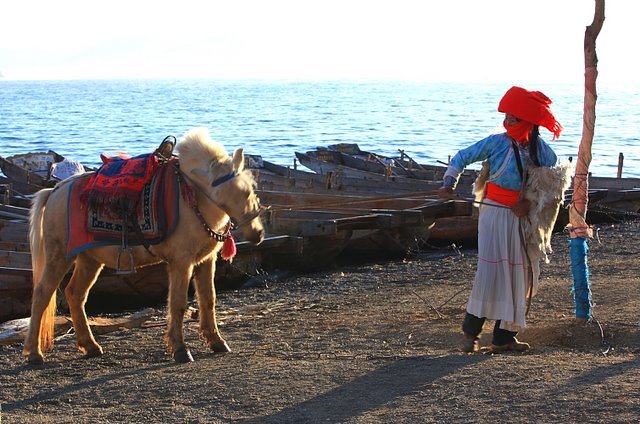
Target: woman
[508,259]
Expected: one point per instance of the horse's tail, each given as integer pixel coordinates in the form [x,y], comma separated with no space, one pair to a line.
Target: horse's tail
[36,214]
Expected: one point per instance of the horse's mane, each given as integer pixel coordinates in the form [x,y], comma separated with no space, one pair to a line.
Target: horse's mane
[197,146]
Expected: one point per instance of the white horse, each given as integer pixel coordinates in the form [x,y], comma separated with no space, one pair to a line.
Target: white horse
[222,190]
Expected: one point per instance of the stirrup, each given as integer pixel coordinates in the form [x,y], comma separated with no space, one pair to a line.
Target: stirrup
[124,247]
[132,268]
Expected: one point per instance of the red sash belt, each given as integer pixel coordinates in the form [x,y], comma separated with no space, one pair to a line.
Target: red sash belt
[502,195]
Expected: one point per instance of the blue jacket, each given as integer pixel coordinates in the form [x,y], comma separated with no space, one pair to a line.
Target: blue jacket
[503,169]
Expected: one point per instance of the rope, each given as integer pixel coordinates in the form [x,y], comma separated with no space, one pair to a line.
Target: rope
[596,207]
[342,202]
[609,211]
[480,202]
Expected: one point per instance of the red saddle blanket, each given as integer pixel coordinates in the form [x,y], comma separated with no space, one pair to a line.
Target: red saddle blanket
[100,224]
[119,181]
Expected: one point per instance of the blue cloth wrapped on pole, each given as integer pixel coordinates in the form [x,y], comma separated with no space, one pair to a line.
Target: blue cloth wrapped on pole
[578,250]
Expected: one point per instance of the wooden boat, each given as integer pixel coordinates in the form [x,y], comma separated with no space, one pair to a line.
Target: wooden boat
[270,176]
[277,178]
[354,161]
[352,156]
[605,206]
[611,199]
[313,219]
[30,172]
[146,287]
[388,225]
[461,230]
[14,226]
[15,293]
[621,192]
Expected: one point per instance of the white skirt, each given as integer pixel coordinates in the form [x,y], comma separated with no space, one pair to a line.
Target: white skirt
[500,289]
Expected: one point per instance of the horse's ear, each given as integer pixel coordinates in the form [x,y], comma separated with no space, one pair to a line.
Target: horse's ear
[238,159]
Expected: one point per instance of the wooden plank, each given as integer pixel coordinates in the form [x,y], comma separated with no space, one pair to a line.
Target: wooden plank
[301,227]
[336,182]
[15,259]
[15,210]
[15,293]
[364,222]
[447,208]
[15,246]
[311,214]
[13,231]
[613,183]
[15,279]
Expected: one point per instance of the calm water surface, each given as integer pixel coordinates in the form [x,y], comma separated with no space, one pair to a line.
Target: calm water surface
[81,119]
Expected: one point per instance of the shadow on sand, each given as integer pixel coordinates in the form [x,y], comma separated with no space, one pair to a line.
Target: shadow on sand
[366,393]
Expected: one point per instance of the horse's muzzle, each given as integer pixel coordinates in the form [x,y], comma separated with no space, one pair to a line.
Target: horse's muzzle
[255,236]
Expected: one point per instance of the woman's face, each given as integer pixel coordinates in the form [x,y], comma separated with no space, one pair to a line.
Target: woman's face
[510,120]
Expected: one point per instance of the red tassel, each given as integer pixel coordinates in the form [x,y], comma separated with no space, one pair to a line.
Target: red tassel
[228,248]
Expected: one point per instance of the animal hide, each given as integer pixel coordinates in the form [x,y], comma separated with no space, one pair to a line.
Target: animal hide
[544,188]
[480,184]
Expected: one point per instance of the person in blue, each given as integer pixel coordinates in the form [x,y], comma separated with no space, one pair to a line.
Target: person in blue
[506,276]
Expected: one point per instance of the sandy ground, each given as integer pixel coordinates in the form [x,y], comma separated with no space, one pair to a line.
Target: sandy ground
[367,343]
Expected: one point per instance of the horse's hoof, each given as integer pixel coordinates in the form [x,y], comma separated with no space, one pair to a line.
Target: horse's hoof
[94,352]
[182,356]
[220,347]
[35,359]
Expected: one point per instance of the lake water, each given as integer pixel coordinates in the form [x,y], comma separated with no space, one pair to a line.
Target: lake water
[81,119]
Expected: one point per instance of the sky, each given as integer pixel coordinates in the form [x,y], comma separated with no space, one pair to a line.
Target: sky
[404,40]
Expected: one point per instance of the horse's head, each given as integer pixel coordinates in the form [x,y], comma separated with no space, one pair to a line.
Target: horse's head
[223,179]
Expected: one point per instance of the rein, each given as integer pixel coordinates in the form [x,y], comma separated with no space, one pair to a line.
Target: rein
[222,236]
[251,217]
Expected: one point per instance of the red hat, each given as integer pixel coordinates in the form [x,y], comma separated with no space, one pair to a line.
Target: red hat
[530,106]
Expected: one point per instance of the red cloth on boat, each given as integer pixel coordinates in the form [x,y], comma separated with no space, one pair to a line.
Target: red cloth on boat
[156,212]
[530,106]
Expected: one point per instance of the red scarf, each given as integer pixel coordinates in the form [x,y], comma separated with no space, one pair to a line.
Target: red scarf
[520,132]
[530,106]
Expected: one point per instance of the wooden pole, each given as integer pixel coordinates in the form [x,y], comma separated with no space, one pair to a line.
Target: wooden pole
[578,227]
[578,211]
[620,163]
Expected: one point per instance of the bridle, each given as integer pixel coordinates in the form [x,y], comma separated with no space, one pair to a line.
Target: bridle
[188,184]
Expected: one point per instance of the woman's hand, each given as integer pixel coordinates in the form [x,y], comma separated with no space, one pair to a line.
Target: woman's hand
[445,192]
[521,208]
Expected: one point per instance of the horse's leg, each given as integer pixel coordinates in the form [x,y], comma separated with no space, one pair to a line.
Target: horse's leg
[41,303]
[84,276]
[178,291]
[206,292]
